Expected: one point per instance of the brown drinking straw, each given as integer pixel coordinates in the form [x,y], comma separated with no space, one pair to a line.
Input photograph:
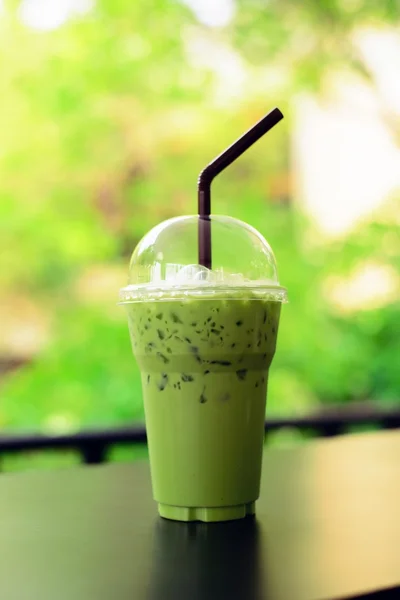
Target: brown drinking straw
[214,168]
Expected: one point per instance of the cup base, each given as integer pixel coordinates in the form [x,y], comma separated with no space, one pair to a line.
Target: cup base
[207,515]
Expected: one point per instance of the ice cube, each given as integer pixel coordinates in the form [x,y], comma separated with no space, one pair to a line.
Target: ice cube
[192,273]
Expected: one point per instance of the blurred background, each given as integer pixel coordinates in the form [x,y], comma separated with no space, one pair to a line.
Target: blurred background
[109,110]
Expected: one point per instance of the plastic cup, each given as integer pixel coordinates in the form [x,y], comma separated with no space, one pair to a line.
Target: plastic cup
[204,341]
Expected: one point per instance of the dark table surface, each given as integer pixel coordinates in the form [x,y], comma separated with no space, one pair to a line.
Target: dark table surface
[327,526]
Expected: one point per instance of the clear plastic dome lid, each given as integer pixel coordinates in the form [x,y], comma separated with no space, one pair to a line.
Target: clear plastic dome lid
[164,265]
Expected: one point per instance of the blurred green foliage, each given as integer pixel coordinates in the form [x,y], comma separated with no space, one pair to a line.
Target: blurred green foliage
[106,122]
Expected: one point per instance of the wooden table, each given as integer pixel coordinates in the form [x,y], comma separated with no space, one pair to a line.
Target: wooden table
[327,526]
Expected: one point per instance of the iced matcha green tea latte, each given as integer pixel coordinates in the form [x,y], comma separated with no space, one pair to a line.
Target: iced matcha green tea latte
[204,341]
[203,305]
[204,367]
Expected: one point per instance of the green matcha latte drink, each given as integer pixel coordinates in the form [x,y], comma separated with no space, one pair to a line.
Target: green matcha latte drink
[204,340]
[203,319]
